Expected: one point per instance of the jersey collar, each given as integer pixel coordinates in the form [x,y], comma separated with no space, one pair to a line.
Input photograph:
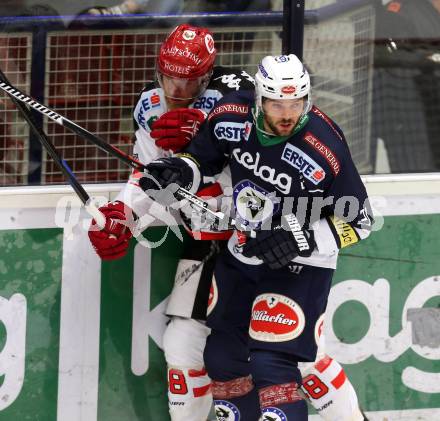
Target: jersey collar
[268,140]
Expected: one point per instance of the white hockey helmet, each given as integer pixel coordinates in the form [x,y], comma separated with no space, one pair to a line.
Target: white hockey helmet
[282,77]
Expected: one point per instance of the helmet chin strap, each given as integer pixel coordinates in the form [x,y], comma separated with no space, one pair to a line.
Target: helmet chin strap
[179,98]
[258,116]
[269,139]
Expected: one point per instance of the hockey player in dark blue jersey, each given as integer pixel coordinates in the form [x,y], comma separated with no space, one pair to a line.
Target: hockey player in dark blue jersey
[295,184]
[167,113]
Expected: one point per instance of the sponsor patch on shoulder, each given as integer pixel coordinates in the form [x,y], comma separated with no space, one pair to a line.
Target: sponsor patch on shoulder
[326,118]
[276,318]
[231,131]
[240,109]
[207,101]
[306,165]
[148,102]
[325,151]
[155,100]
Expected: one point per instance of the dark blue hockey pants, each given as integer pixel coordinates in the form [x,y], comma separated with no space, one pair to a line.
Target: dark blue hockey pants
[263,322]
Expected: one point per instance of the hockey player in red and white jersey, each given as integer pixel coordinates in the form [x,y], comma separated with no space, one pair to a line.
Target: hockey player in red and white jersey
[167,115]
[327,387]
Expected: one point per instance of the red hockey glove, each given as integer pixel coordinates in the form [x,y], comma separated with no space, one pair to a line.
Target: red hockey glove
[112,241]
[176,128]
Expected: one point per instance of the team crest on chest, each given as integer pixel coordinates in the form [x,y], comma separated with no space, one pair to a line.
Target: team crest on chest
[254,204]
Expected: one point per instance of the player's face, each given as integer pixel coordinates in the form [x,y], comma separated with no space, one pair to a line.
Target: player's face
[180,92]
[281,115]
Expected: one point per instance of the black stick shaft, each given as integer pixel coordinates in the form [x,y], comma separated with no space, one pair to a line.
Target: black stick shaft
[71,125]
[51,150]
[20,97]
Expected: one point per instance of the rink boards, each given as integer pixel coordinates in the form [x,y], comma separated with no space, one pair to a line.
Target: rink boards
[80,340]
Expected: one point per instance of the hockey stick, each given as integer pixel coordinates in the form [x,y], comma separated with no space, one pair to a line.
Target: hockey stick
[219,217]
[61,163]
[69,124]
[110,149]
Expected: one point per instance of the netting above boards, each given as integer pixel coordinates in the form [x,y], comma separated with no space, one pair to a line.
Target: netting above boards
[93,77]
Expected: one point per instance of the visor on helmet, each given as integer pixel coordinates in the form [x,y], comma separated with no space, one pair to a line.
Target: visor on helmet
[181,89]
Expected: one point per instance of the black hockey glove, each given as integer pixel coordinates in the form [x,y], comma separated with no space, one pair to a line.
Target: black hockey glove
[164,176]
[278,246]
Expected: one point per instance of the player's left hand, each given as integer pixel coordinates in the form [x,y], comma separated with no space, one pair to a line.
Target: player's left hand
[112,241]
[279,245]
[176,128]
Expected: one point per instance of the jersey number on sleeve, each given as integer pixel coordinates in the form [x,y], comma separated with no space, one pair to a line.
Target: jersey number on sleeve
[177,382]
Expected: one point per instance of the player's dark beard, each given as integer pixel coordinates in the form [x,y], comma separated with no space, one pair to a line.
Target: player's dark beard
[274,128]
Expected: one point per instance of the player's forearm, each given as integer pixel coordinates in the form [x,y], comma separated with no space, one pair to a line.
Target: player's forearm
[333,233]
[209,158]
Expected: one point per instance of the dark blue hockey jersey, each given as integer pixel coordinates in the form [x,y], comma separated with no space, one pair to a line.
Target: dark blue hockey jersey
[310,173]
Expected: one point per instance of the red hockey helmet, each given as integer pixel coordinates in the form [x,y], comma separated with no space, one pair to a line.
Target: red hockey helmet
[185,62]
[188,52]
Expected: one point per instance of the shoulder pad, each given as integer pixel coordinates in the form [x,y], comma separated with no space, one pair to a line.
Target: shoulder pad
[147,87]
[230,80]
[328,122]
[150,105]
[229,108]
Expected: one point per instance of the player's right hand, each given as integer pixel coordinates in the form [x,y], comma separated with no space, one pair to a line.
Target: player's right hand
[112,241]
[176,128]
[164,176]
[284,241]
